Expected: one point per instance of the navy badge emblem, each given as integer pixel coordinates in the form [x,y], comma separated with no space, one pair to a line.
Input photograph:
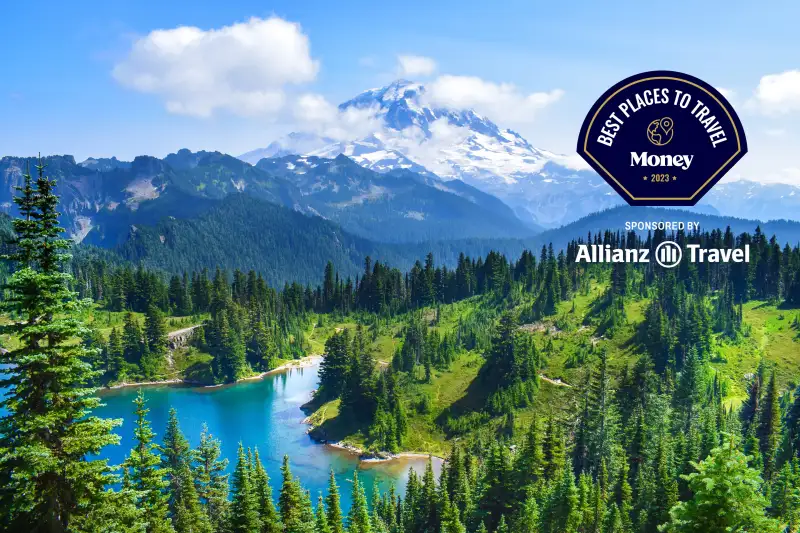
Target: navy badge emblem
[662,138]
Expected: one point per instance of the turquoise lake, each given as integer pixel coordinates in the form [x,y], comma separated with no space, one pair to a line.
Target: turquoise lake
[262,413]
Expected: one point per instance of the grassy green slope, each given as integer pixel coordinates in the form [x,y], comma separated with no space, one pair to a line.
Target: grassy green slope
[455,393]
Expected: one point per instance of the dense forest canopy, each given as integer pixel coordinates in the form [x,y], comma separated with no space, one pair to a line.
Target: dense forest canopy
[654,445]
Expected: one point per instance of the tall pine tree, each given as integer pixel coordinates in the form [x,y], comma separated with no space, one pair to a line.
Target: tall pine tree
[48,435]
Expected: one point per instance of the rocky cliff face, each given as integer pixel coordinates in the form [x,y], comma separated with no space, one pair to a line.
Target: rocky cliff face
[103,199]
[180,338]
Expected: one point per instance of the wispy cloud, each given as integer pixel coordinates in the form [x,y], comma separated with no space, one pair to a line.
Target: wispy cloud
[242,68]
[314,113]
[777,94]
[411,66]
[501,102]
[727,93]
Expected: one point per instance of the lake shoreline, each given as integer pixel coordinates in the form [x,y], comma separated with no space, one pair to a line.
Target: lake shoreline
[379,457]
[309,360]
[305,362]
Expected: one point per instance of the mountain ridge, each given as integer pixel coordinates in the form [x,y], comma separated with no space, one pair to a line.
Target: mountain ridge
[542,187]
[245,232]
[101,198]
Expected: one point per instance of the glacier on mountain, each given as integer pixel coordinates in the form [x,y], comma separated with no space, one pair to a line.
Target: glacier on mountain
[542,188]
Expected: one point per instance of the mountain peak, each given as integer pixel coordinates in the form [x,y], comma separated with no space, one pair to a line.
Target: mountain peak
[402,105]
[396,91]
[104,163]
[147,164]
[398,103]
[401,90]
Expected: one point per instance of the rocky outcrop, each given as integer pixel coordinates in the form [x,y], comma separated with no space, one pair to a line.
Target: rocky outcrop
[180,338]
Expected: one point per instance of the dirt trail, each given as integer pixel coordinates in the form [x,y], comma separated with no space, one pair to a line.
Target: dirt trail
[179,332]
[557,382]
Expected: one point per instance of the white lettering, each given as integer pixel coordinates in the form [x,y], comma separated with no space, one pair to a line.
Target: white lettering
[652,160]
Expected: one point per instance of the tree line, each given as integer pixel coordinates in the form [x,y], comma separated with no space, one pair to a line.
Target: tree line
[655,448]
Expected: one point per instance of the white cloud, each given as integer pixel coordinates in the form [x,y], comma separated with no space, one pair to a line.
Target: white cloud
[503,103]
[727,93]
[410,66]
[314,113]
[429,151]
[242,68]
[314,108]
[777,93]
[571,161]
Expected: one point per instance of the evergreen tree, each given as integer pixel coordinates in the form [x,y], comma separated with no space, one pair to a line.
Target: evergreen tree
[290,500]
[321,518]
[751,407]
[613,521]
[528,466]
[793,426]
[553,450]
[118,514]
[502,527]
[726,496]
[333,507]
[187,514]
[270,522]
[602,424]
[496,496]
[132,340]
[261,349]
[334,366]
[358,518]
[155,333]
[562,510]
[115,356]
[786,494]
[174,453]
[47,432]
[451,523]
[769,430]
[527,520]
[308,519]
[244,507]
[211,481]
[144,475]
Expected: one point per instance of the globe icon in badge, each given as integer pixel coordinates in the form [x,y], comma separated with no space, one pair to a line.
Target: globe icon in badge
[659,132]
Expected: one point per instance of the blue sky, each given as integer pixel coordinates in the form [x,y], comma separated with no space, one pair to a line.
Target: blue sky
[59,92]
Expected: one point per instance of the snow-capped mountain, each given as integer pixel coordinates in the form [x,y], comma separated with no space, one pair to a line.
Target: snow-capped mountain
[541,187]
[452,143]
[373,153]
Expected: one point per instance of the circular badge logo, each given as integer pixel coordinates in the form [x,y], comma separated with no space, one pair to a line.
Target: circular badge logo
[668,254]
[662,138]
